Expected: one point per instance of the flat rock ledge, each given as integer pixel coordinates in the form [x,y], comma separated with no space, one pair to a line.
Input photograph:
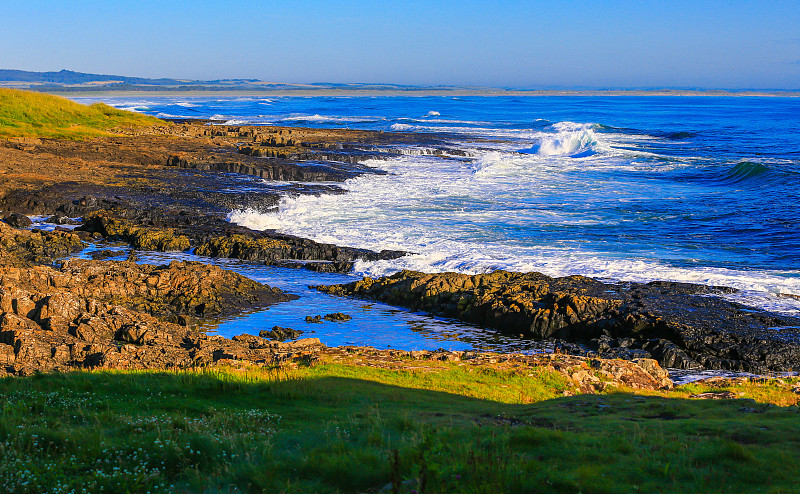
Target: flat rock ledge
[680,325]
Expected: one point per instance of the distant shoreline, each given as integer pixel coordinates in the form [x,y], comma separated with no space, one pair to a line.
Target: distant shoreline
[426,93]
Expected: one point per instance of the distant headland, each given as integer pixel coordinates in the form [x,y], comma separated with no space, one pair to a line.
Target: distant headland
[70,83]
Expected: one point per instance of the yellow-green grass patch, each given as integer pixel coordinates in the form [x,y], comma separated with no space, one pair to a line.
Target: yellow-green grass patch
[31,114]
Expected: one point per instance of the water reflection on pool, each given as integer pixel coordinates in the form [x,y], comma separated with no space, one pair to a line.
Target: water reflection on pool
[373,324]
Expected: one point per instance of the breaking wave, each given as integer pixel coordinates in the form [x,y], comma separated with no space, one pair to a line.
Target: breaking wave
[571,139]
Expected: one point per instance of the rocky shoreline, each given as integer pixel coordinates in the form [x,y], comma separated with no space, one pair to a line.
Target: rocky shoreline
[681,325]
[169,188]
[88,314]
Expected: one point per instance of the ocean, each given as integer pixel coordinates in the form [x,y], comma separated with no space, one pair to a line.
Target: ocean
[693,189]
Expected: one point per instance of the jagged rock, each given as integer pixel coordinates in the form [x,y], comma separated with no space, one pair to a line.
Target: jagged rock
[234,242]
[335,317]
[105,254]
[51,320]
[187,288]
[318,266]
[140,237]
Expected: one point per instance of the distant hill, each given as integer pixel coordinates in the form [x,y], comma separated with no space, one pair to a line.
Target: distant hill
[70,81]
[68,77]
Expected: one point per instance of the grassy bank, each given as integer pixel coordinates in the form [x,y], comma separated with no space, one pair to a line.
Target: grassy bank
[347,428]
[30,114]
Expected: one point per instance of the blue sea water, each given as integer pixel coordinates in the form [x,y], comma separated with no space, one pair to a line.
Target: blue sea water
[694,189]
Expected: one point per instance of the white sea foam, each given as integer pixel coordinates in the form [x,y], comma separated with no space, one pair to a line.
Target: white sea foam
[254,220]
[433,113]
[137,109]
[410,150]
[327,119]
[571,138]
[427,206]
[169,115]
[426,121]
[447,214]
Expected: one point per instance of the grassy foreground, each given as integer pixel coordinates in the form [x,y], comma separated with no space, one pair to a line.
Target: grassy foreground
[345,428]
[30,114]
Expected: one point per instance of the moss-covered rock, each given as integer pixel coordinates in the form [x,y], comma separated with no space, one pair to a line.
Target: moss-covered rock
[245,247]
[140,237]
[25,247]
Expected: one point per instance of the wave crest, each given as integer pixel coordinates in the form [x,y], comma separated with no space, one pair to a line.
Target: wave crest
[571,139]
[744,172]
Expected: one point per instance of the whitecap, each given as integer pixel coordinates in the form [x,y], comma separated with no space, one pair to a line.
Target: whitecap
[254,220]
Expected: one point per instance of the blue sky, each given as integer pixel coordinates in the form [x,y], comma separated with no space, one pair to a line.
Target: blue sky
[711,44]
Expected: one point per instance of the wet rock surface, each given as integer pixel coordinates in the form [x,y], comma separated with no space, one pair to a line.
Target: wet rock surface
[680,325]
[213,237]
[18,220]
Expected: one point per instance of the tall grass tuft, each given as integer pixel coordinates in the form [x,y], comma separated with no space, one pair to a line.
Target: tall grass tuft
[30,114]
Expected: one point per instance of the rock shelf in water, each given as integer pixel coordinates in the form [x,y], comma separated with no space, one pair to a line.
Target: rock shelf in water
[681,325]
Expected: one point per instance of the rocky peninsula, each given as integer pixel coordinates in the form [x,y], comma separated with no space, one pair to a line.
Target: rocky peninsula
[169,186]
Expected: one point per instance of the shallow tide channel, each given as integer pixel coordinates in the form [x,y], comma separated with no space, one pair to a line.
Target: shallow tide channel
[373,324]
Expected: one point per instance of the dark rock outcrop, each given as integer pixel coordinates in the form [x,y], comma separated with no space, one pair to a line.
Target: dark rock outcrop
[216,238]
[18,220]
[280,334]
[680,325]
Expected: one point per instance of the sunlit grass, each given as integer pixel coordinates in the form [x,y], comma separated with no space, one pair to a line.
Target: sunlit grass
[339,427]
[31,114]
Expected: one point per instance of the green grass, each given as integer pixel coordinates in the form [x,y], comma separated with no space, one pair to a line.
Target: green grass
[347,428]
[30,114]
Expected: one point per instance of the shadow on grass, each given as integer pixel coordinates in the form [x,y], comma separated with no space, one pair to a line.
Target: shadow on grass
[314,431]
